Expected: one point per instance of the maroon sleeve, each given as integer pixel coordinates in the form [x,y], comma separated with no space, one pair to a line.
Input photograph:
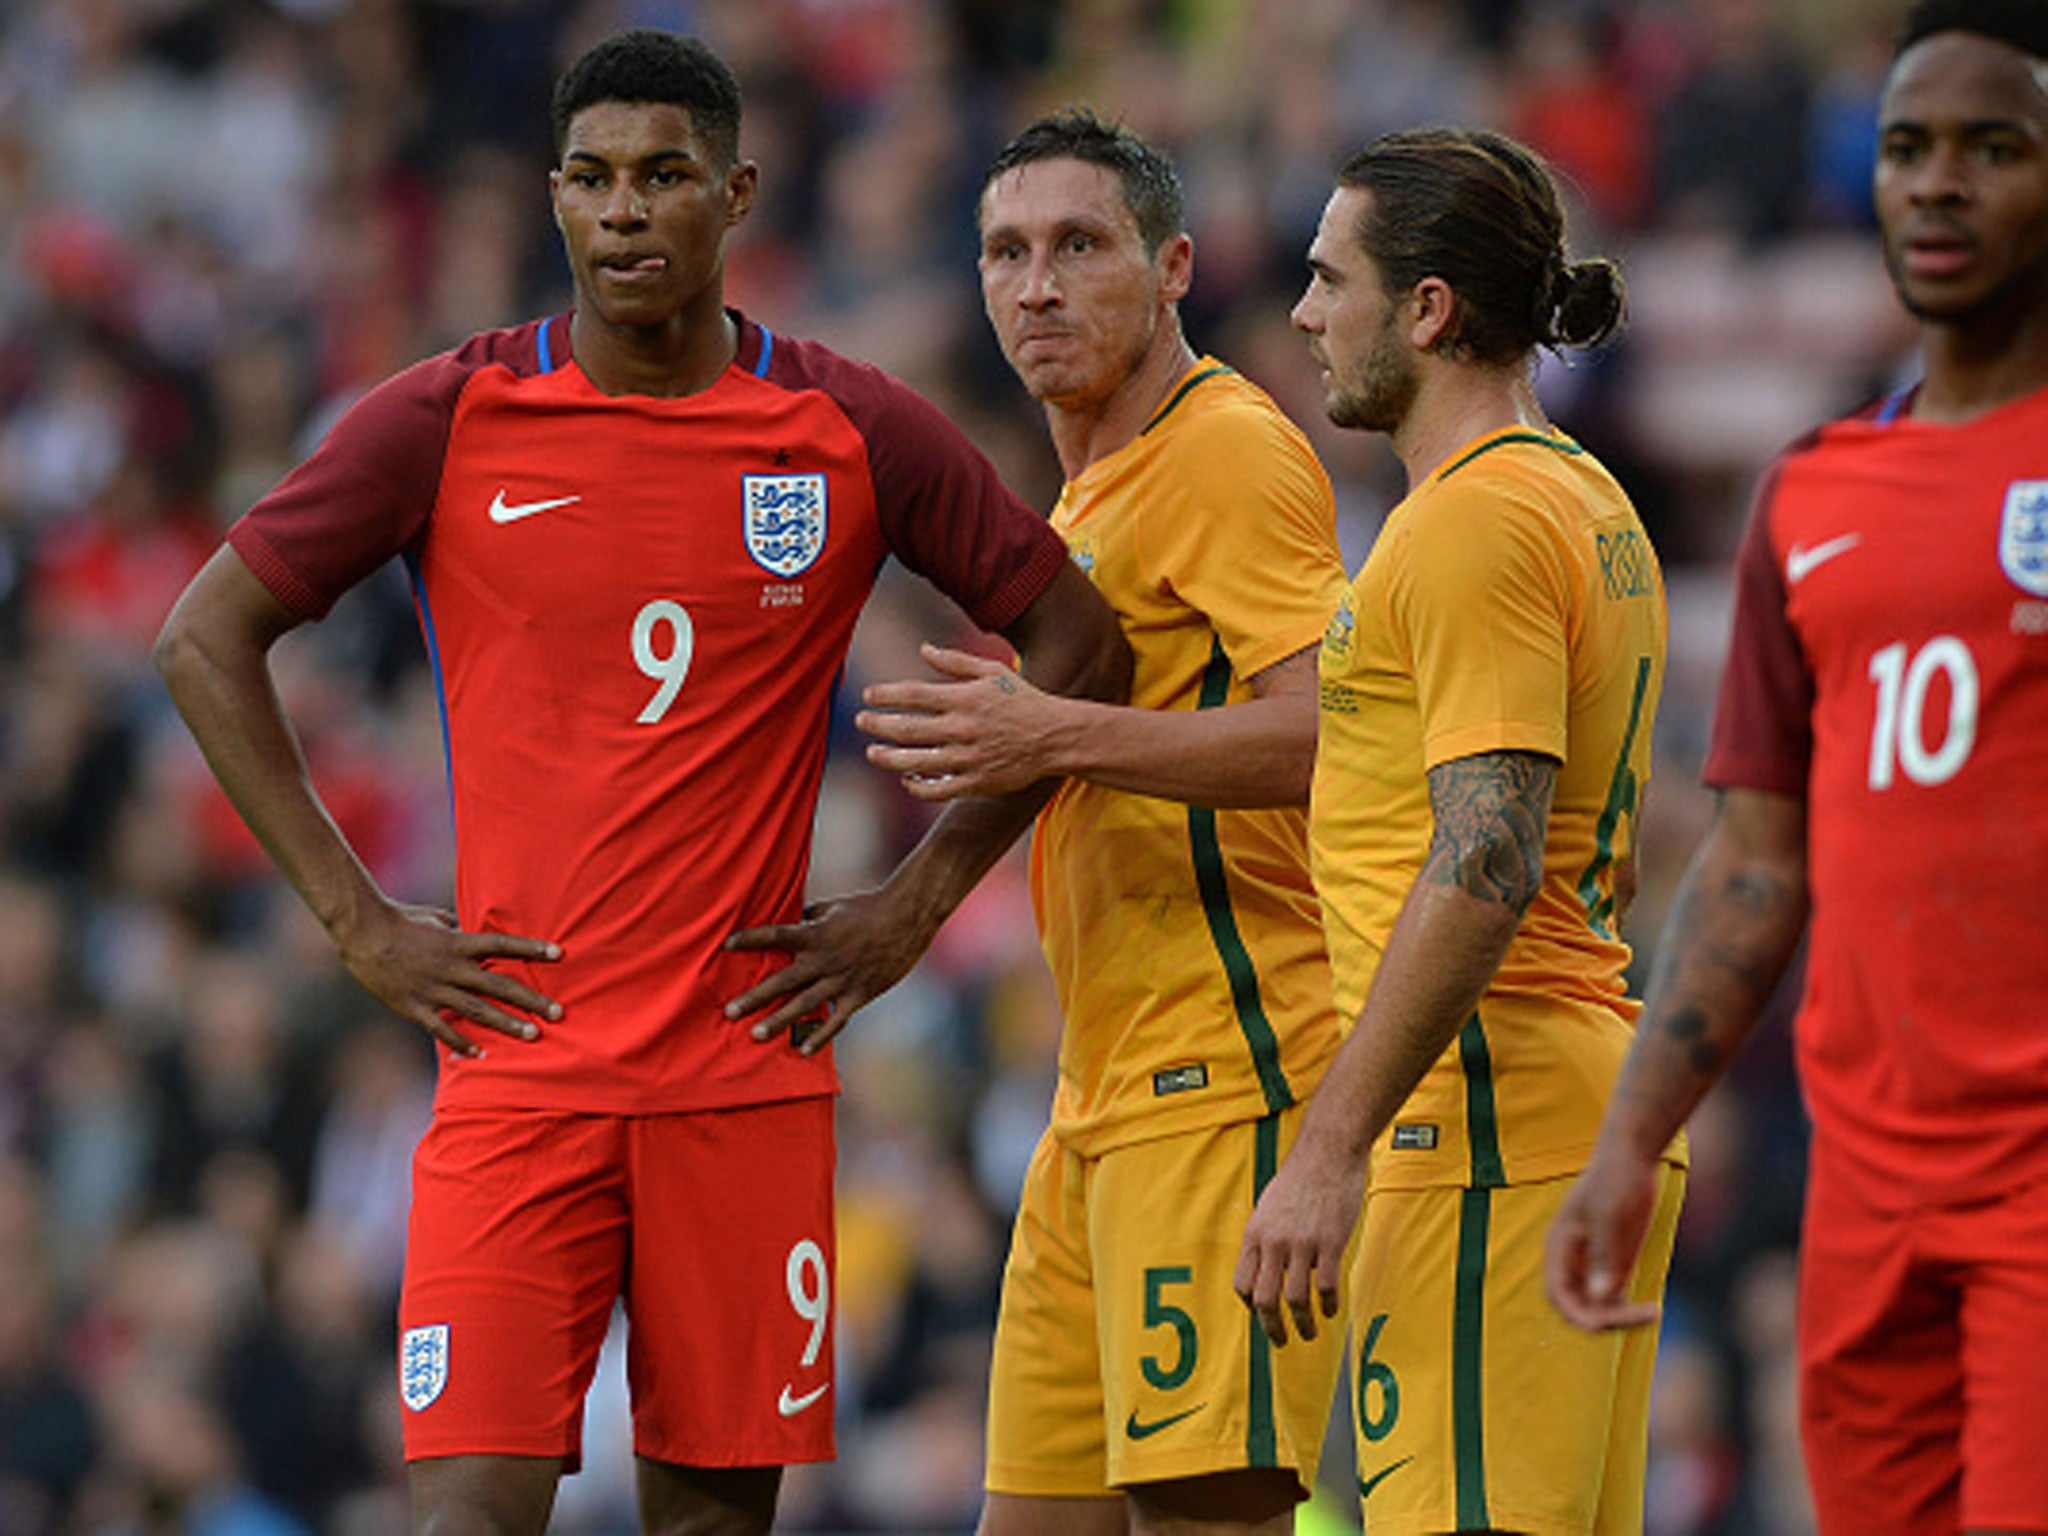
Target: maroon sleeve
[1763,720]
[365,493]
[945,512]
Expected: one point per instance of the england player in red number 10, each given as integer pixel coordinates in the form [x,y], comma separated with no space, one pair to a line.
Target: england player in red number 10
[1881,753]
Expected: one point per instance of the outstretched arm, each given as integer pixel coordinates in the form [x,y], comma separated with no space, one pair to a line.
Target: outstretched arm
[846,953]
[959,737]
[1733,927]
[1483,868]
[213,655]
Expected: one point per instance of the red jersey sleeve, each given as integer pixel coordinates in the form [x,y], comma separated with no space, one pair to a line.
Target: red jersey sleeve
[1763,720]
[943,509]
[365,493]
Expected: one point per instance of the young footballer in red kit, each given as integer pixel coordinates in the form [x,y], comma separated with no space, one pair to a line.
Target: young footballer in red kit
[639,534]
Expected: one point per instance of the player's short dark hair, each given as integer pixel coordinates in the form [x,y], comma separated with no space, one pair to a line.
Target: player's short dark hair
[1480,211]
[650,65]
[1151,186]
[2021,24]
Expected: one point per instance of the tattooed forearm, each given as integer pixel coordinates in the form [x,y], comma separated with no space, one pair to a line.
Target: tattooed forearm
[1491,812]
[1732,931]
[1733,926]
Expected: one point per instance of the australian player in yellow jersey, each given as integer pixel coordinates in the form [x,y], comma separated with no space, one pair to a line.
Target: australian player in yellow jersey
[1487,690]
[1131,1390]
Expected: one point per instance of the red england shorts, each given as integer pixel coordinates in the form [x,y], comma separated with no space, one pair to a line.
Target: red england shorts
[715,1230]
[1920,1340]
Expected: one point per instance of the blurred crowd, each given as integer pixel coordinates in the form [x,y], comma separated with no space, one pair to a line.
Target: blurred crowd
[220,220]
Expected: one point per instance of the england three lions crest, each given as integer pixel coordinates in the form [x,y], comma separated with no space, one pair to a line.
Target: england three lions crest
[785,520]
[423,1365]
[2023,535]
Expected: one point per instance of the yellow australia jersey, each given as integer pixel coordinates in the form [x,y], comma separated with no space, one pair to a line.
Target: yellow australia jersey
[1510,603]
[1185,941]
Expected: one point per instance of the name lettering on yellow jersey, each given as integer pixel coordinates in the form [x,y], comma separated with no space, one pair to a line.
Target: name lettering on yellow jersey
[1414,1138]
[1626,564]
[1179,1080]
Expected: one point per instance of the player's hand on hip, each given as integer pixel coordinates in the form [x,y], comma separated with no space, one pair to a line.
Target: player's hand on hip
[1594,1240]
[842,956]
[984,730]
[423,966]
[1292,1262]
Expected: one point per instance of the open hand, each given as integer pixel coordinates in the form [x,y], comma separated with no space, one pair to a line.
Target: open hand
[984,730]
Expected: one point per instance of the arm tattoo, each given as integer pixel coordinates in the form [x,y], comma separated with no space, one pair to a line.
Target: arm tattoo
[1491,814]
[1723,950]
[1687,1028]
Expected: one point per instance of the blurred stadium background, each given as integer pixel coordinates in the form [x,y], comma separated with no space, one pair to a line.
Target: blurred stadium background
[221,219]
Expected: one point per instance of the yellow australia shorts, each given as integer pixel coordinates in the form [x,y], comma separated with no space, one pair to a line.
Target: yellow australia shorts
[1122,1353]
[1476,1406]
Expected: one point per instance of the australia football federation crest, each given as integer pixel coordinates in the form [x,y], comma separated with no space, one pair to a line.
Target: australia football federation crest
[1341,630]
[423,1365]
[785,520]
[2023,535]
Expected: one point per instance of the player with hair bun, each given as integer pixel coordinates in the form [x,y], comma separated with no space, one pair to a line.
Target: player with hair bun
[1488,686]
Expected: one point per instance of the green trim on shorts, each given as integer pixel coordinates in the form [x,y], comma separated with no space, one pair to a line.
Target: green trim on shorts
[1482,1124]
[1207,850]
[1468,1311]
[1468,1402]
[1261,1439]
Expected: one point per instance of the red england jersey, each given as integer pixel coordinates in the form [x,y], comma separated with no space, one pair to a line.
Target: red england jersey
[1890,663]
[637,610]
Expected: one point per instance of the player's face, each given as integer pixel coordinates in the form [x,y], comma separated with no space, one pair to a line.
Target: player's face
[1075,297]
[1961,184]
[1353,325]
[643,206]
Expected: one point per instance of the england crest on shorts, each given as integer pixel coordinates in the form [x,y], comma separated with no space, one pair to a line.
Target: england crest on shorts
[785,520]
[2023,535]
[423,1365]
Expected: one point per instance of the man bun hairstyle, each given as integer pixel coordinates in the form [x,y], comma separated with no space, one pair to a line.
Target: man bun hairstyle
[2021,24]
[648,66]
[1585,305]
[1151,186]
[1481,212]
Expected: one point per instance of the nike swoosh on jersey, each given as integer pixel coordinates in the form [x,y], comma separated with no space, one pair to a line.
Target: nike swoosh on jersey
[503,511]
[1140,1431]
[1800,563]
[1367,1484]
[789,1407]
